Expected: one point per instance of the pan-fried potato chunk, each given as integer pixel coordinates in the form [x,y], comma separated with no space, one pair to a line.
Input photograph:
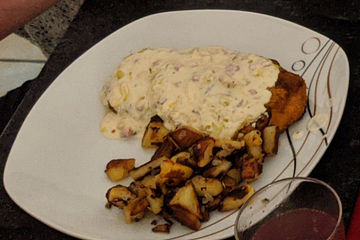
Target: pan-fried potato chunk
[251,169]
[186,136]
[214,204]
[149,181]
[204,214]
[271,140]
[118,169]
[138,189]
[185,217]
[154,133]
[202,151]
[220,166]
[186,207]
[156,203]
[172,174]
[205,186]
[164,228]
[254,144]
[146,168]
[186,198]
[262,122]
[235,174]
[232,178]
[166,149]
[135,210]
[228,147]
[119,196]
[184,158]
[236,198]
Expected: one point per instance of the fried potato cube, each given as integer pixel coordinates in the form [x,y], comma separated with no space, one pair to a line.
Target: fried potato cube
[164,228]
[235,174]
[214,204]
[205,186]
[262,122]
[236,198]
[149,181]
[232,179]
[228,147]
[138,189]
[185,217]
[186,136]
[219,166]
[253,143]
[166,149]
[155,133]
[251,169]
[145,169]
[156,203]
[186,207]
[184,158]
[135,210]
[202,151]
[271,140]
[229,183]
[172,174]
[119,196]
[204,214]
[118,169]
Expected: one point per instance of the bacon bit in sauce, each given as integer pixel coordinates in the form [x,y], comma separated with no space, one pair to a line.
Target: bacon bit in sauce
[127,133]
[252,91]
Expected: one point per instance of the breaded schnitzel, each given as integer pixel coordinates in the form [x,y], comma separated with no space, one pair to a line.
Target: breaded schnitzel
[288,100]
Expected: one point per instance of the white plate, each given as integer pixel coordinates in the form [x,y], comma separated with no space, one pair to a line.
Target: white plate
[55,170]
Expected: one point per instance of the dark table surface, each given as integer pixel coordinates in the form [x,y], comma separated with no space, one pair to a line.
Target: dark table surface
[340,21]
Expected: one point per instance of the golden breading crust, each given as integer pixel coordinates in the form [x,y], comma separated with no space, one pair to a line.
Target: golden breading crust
[288,100]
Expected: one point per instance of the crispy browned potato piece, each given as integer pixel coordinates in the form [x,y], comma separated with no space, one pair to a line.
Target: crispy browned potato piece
[185,217]
[288,101]
[203,186]
[271,140]
[118,169]
[172,174]
[251,169]
[214,204]
[186,198]
[119,196]
[232,178]
[184,158]
[219,166]
[262,122]
[156,203]
[155,133]
[228,147]
[146,168]
[202,151]
[163,228]
[185,207]
[135,210]
[235,174]
[253,143]
[236,198]
[184,137]
[166,149]
[138,189]
[204,214]
[149,181]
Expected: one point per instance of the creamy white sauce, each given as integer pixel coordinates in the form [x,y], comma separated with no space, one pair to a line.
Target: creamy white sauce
[316,122]
[212,89]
